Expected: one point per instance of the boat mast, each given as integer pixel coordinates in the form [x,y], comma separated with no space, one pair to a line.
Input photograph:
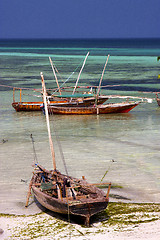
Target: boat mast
[80,74]
[47,120]
[55,75]
[102,76]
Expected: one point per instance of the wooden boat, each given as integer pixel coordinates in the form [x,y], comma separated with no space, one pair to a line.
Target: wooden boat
[27,106]
[63,101]
[33,106]
[123,107]
[69,100]
[67,195]
[62,193]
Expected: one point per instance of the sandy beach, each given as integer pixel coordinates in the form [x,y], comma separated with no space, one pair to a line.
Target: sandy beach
[123,219]
[43,227]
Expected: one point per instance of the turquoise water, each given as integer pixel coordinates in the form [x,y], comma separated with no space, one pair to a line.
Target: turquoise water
[89,143]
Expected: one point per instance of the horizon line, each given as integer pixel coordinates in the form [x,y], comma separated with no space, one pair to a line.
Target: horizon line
[113,38]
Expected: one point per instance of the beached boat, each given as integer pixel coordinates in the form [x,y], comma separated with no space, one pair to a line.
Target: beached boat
[123,107]
[62,193]
[67,195]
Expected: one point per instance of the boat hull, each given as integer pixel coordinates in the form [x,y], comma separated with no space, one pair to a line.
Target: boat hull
[67,195]
[27,106]
[85,209]
[36,106]
[99,109]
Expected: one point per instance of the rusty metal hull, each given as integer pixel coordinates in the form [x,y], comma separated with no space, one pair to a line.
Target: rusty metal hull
[124,107]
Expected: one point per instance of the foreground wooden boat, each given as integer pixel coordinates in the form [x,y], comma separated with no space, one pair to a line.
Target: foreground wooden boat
[123,107]
[66,195]
[62,193]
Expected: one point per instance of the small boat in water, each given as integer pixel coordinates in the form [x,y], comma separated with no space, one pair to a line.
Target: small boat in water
[97,106]
[30,106]
[27,106]
[74,99]
[84,100]
[123,107]
[63,193]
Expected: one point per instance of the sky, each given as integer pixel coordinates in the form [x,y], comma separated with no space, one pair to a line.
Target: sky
[79,19]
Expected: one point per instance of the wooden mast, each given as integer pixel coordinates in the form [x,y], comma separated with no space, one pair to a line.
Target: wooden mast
[47,120]
[14,94]
[80,74]
[102,76]
[55,76]
[20,95]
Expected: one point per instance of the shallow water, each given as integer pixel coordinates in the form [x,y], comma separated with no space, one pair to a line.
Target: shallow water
[125,145]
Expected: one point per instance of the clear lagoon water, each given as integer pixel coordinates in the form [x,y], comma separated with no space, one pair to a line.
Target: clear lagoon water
[125,145]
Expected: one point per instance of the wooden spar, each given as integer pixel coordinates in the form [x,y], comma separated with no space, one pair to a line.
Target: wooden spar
[102,76]
[47,120]
[80,73]
[13,94]
[131,97]
[109,187]
[55,75]
[29,193]
[20,95]
[98,184]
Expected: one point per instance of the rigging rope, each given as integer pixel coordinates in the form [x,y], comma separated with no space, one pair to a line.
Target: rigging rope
[61,151]
[63,83]
[35,156]
[69,76]
[1,85]
[69,220]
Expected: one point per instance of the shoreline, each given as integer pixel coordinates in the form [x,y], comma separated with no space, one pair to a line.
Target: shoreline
[119,221]
[16,204]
